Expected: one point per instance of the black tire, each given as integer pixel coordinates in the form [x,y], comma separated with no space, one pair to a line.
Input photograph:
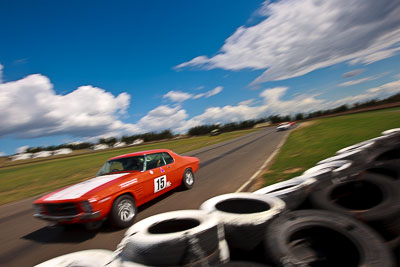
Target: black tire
[188,179]
[244,216]
[171,239]
[387,154]
[240,264]
[389,169]
[322,238]
[293,191]
[369,197]
[123,211]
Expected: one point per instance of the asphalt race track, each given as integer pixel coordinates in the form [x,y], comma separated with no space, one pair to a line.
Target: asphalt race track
[224,167]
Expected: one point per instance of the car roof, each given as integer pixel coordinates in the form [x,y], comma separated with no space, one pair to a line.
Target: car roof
[141,153]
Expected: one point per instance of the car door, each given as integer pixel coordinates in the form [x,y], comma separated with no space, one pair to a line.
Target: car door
[173,169]
[157,175]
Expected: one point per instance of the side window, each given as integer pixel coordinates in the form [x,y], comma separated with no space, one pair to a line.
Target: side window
[167,157]
[116,166]
[154,161]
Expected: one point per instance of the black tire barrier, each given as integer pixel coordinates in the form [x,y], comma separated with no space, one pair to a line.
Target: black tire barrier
[244,216]
[369,197]
[389,169]
[322,238]
[293,191]
[186,237]
[387,154]
[370,150]
[240,264]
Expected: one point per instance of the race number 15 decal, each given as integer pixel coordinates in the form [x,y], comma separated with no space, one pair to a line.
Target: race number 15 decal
[160,183]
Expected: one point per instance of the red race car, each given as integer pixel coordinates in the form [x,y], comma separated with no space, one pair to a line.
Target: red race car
[121,185]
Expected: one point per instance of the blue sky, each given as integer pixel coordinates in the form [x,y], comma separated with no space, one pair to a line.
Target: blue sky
[81,70]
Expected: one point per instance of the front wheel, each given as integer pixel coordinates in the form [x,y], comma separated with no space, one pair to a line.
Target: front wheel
[188,179]
[123,211]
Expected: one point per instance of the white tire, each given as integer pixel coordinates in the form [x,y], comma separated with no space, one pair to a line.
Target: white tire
[163,239]
[327,167]
[351,155]
[245,216]
[85,258]
[361,146]
[391,131]
[293,191]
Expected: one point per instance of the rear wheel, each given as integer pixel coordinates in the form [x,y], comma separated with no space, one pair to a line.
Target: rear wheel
[123,211]
[188,179]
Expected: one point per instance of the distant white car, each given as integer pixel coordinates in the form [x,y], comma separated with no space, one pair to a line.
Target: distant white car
[284,126]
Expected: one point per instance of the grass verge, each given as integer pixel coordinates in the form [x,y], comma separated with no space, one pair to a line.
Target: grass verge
[37,177]
[322,138]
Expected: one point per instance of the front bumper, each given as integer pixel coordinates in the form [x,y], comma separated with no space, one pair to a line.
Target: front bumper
[69,218]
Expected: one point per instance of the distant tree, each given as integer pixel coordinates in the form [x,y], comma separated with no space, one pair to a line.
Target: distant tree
[299,116]
[110,141]
[275,118]
[34,149]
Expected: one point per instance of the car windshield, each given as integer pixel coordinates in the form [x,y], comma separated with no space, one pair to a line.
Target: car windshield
[122,164]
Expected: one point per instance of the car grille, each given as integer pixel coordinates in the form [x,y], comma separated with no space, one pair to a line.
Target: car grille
[61,209]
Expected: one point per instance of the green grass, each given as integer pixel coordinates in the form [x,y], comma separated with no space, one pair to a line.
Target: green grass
[322,138]
[36,177]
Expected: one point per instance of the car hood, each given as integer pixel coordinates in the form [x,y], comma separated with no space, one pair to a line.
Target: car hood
[78,190]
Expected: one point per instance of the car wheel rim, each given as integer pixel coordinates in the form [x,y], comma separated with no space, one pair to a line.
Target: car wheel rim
[189,178]
[125,210]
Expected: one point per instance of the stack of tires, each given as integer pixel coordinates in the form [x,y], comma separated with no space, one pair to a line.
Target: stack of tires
[345,211]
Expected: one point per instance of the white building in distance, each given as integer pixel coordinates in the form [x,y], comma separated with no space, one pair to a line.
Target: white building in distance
[62,151]
[21,156]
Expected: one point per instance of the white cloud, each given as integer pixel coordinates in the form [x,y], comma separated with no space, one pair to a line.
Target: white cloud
[299,36]
[362,80]
[215,91]
[1,73]
[178,96]
[21,149]
[386,89]
[2,154]
[162,117]
[210,93]
[248,102]
[31,108]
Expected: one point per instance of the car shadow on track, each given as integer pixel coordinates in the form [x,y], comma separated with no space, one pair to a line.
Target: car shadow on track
[60,234]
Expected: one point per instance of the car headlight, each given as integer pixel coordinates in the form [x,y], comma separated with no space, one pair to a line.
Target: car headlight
[39,208]
[86,207]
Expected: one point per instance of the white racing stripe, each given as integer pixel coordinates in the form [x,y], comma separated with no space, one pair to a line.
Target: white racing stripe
[80,189]
[133,181]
